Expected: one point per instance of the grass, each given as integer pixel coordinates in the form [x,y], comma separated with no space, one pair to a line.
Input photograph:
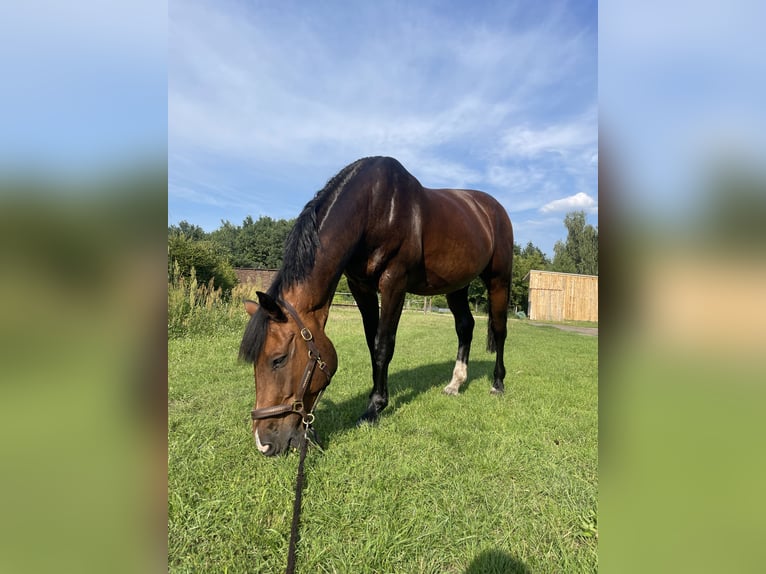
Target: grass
[469,484]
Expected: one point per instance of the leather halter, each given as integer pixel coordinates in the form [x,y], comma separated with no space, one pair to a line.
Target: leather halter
[314,361]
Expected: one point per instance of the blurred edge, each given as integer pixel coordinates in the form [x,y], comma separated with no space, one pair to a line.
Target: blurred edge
[84,392]
[682,380]
[682,385]
[83,215]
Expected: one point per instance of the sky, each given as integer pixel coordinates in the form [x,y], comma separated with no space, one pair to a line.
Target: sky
[267,101]
[84,85]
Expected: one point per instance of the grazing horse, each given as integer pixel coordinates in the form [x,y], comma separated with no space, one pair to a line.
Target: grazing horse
[377,224]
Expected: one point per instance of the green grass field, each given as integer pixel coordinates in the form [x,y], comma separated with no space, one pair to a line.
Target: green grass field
[473,484]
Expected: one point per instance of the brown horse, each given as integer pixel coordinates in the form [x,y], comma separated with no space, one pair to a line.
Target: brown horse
[374,222]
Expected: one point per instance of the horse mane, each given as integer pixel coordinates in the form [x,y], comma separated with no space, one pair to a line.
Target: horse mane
[298,260]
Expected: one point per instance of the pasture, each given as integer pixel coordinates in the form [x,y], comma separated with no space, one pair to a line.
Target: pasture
[473,484]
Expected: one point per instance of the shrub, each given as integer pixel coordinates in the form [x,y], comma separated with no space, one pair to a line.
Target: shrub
[201,308]
[205,257]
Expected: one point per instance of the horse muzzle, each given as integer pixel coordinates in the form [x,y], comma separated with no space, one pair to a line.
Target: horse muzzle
[274,443]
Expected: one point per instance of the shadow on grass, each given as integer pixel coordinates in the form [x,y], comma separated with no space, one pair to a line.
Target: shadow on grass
[403,388]
[497,562]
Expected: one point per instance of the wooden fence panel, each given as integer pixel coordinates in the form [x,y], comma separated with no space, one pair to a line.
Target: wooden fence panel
[562,296]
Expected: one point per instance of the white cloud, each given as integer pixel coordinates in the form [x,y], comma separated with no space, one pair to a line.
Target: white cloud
[434,171]
[244,85]
[562,138]
[286,97]
[573,202]
[516,179]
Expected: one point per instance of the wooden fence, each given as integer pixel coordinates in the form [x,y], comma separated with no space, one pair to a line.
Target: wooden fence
[562,296]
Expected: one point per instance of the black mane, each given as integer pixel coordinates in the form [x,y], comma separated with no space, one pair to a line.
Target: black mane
[298,260]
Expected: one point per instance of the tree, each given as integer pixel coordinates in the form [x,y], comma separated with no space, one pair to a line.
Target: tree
[477,294]
[524,260]
[194,232]
[227,238]
[580,252]
[207,259]
[261,243]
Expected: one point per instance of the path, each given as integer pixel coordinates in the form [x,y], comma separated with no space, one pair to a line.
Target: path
[591,331]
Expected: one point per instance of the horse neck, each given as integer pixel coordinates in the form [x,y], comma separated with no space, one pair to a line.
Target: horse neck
[313,296]
[341,223]
[338,243]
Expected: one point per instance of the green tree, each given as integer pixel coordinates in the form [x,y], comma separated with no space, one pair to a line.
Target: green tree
[525,260]
[579,254]
[206,257]
[194,232]
[227,238]
[261,243]
[477,294]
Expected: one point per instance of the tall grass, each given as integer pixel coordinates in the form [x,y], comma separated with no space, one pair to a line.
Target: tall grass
[198,308]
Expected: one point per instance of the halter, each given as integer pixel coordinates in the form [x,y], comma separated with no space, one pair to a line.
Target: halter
[314,361]
[307,417]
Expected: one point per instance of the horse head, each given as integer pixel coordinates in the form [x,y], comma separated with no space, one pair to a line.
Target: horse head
[293,362]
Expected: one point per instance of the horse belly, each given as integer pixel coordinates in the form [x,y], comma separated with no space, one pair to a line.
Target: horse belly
[451,263]
[441,281]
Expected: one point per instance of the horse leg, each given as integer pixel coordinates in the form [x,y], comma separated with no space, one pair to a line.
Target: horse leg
[498,289]
[367,301]
[392,292]
[458,304]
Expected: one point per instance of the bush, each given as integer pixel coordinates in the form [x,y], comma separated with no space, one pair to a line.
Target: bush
[195,307]
[439,301]
[205,257]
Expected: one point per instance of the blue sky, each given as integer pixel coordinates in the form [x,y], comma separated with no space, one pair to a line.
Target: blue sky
[84,85]
[266,101]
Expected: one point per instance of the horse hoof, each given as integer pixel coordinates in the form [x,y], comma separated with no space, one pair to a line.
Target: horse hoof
[450,391]
[494,391]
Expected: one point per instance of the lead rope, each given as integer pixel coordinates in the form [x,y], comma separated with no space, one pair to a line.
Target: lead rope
[297,505]
[307,422]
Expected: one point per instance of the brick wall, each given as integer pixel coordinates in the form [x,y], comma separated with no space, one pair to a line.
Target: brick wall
[260,278]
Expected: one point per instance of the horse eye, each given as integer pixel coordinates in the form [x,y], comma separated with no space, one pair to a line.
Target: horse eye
[278,362]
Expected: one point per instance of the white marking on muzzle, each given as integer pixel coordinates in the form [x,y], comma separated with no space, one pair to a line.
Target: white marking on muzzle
[261,447]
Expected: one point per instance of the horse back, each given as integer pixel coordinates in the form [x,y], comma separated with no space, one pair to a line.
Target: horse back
[441,238]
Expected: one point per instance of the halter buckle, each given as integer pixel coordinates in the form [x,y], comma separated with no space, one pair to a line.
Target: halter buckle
[298,407]
[306,334]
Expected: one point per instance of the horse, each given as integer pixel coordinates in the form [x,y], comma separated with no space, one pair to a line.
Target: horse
[374,222]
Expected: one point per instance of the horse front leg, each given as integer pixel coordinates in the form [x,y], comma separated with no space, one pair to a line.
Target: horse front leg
[366,298]
[391,302]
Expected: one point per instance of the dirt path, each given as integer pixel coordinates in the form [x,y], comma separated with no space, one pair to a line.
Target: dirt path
[591,331]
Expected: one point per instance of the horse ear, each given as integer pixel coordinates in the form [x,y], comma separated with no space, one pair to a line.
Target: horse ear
[250,306]
[270,305]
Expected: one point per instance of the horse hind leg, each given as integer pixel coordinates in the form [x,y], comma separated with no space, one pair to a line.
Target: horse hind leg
[498,290]
[464,323]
